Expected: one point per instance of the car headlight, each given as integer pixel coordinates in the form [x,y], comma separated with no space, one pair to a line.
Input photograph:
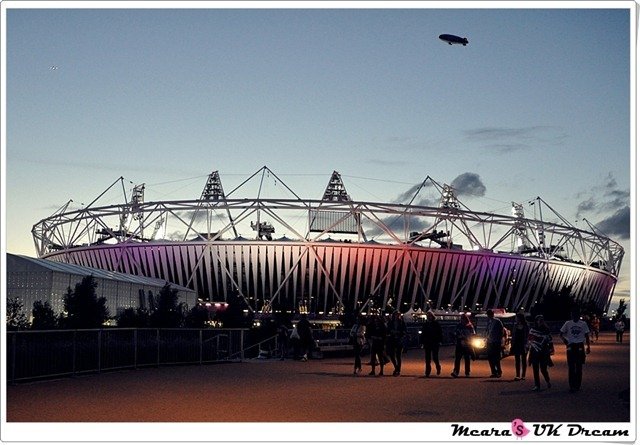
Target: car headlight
[478,343]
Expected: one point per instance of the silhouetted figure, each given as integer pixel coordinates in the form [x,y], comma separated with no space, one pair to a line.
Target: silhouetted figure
[358,340]
[430,338]
[397,330]
[494,335]
[575,334]
[463,332]
[539,351]
[619,326]
[519,338]
[594,324]
[377,332]
[306,337]
[284,325]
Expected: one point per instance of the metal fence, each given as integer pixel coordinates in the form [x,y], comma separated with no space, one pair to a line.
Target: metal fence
[46,354]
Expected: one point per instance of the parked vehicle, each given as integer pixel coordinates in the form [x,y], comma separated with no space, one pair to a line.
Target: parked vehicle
[479,340]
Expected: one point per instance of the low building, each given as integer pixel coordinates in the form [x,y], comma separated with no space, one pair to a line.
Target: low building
[33,279]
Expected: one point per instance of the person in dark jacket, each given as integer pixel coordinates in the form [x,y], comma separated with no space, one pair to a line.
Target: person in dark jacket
[519,338]
[494,334]
[306,337]
[463,332]
[430,338]
[397,330]
[377,334]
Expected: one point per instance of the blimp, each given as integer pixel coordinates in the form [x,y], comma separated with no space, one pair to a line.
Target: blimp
[451,39]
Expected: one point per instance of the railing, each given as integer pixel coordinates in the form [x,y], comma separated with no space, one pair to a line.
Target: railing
[46,354]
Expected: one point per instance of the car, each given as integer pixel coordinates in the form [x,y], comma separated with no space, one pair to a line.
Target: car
[479,340]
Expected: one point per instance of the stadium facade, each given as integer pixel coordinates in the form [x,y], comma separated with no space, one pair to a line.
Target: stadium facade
[334,254]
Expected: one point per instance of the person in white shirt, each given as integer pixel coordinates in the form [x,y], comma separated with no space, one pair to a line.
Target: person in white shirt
[575,334]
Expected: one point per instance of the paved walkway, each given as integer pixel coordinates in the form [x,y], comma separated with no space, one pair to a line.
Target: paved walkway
[326,391]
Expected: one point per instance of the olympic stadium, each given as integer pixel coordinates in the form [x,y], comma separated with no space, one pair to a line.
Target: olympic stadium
[335,254]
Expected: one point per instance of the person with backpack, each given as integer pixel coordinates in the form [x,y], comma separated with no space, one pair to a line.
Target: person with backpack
[357,339]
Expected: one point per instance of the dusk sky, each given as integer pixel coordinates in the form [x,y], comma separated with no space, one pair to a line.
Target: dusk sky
[538,104]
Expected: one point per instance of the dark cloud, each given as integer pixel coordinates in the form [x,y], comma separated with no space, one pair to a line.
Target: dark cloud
[586,206]
[396,224]
[616,199]
[507,140]
[420,200]
[469,184]
[494,133]
[618,224]
[604,198]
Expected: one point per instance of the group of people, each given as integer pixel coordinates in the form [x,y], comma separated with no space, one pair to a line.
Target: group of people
[532,346]
[300,337]
[385,338]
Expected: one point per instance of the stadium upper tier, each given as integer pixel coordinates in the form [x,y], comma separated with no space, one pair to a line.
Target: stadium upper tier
[335,254]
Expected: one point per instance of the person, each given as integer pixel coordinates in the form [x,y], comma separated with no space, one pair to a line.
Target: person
[377,331]
[519,337]
[619,326]
[463,332]
[540,341]
[397,330]
[575,334]
[306,337]
[595,327]
[430,338]
[283,337]
[358,340]
[494,334]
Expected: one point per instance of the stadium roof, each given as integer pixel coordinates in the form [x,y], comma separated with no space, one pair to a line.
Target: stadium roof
[57,266]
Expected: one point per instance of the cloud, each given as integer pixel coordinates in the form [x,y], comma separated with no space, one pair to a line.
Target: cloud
[603,198]
[586,206]
[420,200]
[396,224]
[507,140]
[469,184]
[618,224]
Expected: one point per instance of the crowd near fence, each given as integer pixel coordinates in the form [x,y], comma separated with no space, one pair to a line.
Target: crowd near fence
[33,354]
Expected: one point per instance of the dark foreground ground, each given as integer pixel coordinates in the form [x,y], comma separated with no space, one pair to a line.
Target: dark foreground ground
[326,391]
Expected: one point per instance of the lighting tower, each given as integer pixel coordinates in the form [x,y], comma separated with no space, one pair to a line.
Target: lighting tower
[519,227]
[211,193]
[335,190]
[449,200]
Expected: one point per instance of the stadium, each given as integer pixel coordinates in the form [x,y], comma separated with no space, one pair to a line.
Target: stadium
[336,255]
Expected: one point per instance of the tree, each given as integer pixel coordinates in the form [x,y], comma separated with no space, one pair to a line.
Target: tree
[15,318]
[197,317]
[168,312]
[133,318]
[84,308]
[43,316]
[234,315]
[622,306]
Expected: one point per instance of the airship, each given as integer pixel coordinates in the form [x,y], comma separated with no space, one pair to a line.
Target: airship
[451,39]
